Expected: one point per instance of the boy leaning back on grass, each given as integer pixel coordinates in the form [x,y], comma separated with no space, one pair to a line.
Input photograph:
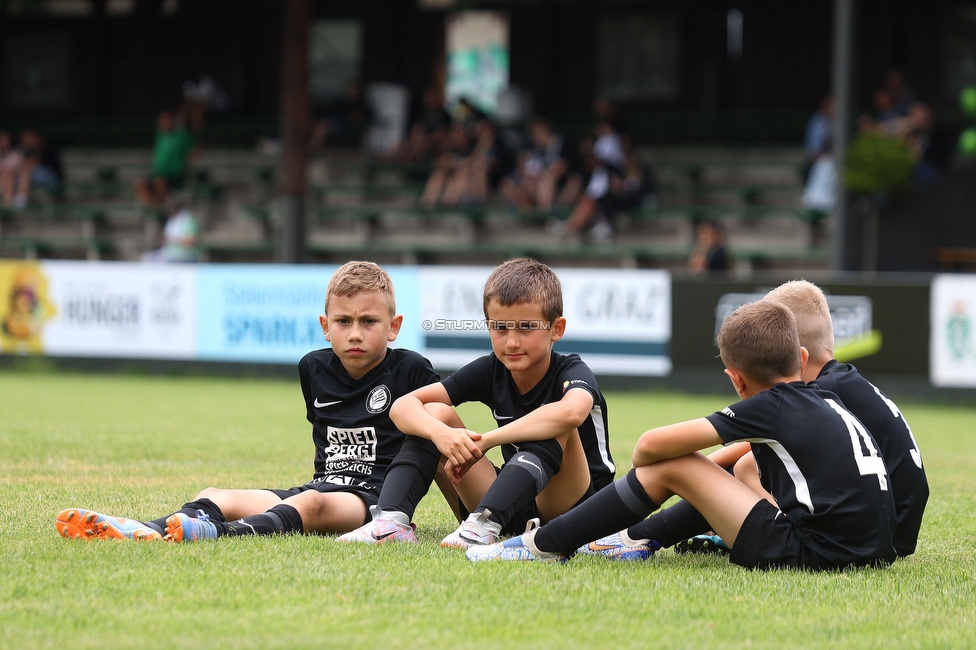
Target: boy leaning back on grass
[348,392]
[551,417]
[683,526]
[824,502]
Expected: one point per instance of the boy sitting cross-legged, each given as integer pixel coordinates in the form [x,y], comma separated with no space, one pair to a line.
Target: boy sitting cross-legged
[551,417]
[348,392]
[824,501]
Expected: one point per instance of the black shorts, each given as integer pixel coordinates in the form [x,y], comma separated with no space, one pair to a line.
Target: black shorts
[369,497]
[769,540]
[523,516]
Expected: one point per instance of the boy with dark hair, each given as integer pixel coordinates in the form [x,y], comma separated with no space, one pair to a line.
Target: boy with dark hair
[551,416]
[880,415]
[823,502]
[348,391]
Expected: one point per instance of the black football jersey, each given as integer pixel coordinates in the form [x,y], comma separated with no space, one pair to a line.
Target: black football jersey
[355,440]
[488,381]
[882,417]
[821,465]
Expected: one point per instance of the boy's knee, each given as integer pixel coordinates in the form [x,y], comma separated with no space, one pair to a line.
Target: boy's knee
[540,470]
[208,493]
[745,467]
[549,451]
[419,453]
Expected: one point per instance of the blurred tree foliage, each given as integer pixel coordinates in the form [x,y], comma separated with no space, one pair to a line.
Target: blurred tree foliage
[878,164]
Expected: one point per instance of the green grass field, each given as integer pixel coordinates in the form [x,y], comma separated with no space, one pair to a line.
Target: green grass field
[140,446]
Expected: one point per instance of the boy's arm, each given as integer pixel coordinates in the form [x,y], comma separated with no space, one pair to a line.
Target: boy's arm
[675,440]
[544,423]
[410,415]
[727,456]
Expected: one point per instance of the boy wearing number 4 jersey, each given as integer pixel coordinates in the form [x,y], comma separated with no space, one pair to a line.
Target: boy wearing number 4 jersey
[823,502]
[881,416]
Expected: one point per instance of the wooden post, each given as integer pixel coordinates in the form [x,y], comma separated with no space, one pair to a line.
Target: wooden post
[294,130]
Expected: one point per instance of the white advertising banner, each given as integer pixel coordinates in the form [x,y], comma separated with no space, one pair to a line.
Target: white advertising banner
[952,339]
[618,321]
[113,309]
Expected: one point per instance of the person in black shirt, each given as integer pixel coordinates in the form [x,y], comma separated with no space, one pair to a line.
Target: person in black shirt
[877,412]
[348,392]
[551,416]
[823,501]
[881,416]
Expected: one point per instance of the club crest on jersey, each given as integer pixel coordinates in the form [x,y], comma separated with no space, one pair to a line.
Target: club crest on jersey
[378,399]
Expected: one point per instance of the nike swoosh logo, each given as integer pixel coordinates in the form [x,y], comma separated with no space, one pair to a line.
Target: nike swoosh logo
[526,462]
[501,417]
[595,546]
[317,404]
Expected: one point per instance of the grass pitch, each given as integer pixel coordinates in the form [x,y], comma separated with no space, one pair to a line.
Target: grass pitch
[140,446]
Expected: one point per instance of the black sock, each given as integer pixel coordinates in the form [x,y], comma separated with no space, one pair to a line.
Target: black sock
[409,476]
[671,525]
[516,486]
[280,520]
[620,504]
[191,509]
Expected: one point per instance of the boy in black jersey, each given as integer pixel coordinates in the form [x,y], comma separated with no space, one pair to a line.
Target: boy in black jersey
[348,392]
[551,416]
[881,416]
[823,502]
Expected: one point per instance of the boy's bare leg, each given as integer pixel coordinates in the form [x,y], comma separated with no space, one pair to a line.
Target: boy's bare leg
[444,484]
[237,504]
[475,483]
[328,512]
[722,499]
[746,471]
[569,484]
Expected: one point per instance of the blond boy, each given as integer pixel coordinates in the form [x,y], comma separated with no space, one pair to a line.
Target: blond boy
[348,391]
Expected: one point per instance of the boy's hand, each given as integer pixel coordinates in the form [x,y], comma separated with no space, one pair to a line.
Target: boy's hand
[460,450]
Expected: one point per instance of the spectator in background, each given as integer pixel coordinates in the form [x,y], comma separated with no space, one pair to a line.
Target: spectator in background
[475,164]
[818,133]
[180,238]
[901,94]
[346,117]
[10,161]
[428,131]
[604,159]
[709,254]
[928,143]
[545,175]
[482,170]
[443,184]
[174,149]
[820,189]
[39,166]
